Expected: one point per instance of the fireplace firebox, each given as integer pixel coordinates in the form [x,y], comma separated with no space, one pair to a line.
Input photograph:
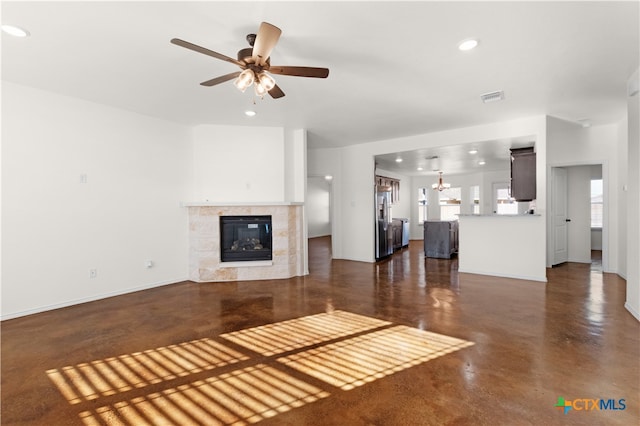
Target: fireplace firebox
[245,238]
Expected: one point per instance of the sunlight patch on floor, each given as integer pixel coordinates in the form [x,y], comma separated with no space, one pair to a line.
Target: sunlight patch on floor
[241,397]
[285,336]
[340,349]
[356,361]
[90,380]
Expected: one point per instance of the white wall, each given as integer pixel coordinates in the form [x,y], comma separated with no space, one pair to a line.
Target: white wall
[491,245]
[623,207]
[633,202]
[55,228]
[579,211]
[352,186]
[295,164]
[234,163]
[569,144]
[240,164]
[318,206]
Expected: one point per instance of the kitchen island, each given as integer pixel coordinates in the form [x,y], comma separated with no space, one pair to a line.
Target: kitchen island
[502,245]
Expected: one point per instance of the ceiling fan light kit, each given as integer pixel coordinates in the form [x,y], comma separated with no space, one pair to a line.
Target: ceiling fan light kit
[244,80]
[260,90]
[255,62]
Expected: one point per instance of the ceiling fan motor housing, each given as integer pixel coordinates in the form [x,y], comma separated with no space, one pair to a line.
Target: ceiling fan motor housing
[246,56]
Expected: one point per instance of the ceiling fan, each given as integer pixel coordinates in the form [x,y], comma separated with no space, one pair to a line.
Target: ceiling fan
[254,62]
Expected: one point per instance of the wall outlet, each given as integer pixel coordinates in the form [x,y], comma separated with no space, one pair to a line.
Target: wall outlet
[93,273]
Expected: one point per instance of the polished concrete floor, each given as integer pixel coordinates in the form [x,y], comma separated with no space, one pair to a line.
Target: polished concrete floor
[406,341]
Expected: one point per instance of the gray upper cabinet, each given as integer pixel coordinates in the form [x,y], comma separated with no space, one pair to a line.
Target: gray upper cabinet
[523,174]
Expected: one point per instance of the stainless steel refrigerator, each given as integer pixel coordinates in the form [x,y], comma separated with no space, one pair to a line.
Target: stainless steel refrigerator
[384,231]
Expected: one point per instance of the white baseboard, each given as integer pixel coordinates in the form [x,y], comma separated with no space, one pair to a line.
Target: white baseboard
[517,277]
[632,311]
[45,308]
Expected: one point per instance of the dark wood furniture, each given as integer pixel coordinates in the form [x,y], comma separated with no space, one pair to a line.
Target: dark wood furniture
[440,238]
[523,174]
[394,184]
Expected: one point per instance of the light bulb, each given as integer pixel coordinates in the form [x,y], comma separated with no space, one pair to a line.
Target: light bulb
[244,80]
[15,31]
[260,90]
[266,81]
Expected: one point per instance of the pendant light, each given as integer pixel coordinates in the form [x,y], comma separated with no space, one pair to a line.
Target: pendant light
[440,185]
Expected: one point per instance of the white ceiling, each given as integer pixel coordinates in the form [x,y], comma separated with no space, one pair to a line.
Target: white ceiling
[395,68]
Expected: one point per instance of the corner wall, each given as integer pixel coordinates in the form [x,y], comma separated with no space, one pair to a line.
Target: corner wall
[86,186]
[569,144]
[234,163]
[633,202]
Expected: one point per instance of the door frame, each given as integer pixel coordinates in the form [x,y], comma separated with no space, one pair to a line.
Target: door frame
[556,190]
[605,213]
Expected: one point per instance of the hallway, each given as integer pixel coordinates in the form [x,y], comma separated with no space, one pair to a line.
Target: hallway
[406,341]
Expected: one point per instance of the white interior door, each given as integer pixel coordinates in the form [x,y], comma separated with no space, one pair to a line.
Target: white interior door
[560,219]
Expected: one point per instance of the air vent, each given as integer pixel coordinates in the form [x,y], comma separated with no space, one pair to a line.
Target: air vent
[492,97]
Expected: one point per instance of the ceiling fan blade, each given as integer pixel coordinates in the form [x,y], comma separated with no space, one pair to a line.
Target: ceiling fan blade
[205,51]
[300,71]
[276,92]
[220,79]
[266,40]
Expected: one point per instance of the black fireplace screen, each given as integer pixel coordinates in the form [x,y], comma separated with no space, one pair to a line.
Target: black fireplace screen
[245,238]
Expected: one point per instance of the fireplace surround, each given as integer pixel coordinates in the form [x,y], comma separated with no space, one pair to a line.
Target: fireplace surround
[288,242]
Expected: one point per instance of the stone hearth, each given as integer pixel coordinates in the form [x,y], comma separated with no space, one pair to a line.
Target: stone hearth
[288,248]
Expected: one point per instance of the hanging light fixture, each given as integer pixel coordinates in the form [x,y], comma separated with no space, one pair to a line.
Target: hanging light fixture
[440,185]
[260,89]
[266,81]
[262,81]
[244,80]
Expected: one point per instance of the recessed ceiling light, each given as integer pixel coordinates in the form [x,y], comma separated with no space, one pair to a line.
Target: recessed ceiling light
[15,31]
[398,160]
[419,169]
[467,44]
[250,113]
[585,122]
[473,151]
[328,177]
[482,163]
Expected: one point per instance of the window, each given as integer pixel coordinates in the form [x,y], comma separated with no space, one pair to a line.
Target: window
[596,203]
[422,205]
[504,203]
[474,198]
[450,203]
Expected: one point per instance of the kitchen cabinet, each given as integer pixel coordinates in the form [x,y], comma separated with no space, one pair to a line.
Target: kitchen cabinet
[440,238]
[392,183]
[523,174]
[397,226]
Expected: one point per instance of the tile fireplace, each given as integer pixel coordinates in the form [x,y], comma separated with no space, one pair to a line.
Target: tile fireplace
[255,242]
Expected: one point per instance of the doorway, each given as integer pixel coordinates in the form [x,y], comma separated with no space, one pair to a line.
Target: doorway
[318,206]
[577,215]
